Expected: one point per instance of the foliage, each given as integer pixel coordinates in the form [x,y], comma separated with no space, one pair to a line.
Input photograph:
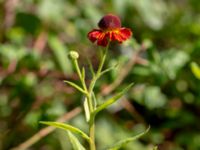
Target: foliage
[36,37]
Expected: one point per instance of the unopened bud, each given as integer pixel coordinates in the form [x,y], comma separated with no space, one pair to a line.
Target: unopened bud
[73,54]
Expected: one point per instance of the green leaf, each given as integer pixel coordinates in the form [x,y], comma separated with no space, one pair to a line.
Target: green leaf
[61,54]
[86,108]
[75,142]
[153,13]
[66,127]
[172,61]
[195,69]
[112,100]
[109,69]
[75,86]
[123,142]
[152,97]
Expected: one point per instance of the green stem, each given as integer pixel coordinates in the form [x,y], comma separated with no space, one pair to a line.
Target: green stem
[90,104]
[89,101]
[92,134]
[90,92]
[79,74]
[99,70]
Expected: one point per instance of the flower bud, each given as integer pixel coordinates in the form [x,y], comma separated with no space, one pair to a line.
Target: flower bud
[73,54]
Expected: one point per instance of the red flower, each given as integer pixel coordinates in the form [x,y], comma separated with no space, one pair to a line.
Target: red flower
[110,30]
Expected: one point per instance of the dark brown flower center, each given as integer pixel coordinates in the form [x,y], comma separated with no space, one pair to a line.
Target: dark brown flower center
[109,22]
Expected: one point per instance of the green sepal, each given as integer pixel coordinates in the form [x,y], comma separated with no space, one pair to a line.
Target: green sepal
[75,86]
[123,142]
[75,142]
[112,99]
[66,127]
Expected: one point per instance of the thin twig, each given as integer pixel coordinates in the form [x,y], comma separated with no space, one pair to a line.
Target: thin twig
[131,109]
[12,67]
[9,8]
[45,131]
[40,42]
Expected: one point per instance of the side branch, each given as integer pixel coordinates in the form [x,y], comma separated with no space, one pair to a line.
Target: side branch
[125,70]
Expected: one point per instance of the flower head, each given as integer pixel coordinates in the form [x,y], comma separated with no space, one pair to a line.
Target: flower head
[109,30]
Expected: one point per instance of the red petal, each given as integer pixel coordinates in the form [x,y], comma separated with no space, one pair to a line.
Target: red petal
[103,39]
[94,35]
[116,37]
[121,35]
[125,33]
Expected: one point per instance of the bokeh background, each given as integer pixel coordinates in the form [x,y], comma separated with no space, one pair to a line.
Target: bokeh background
[35,38]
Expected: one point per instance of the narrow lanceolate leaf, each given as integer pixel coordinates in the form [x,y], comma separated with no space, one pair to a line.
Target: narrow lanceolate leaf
[75,142]
[87,111]
[66,127]
[123,142]
[75,86]
[195,70]
[107,70]
[112,99]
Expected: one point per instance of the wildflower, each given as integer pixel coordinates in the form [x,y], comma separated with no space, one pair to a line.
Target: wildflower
[110,30]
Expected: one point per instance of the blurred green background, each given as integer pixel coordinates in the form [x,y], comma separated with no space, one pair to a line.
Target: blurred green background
[35,38]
